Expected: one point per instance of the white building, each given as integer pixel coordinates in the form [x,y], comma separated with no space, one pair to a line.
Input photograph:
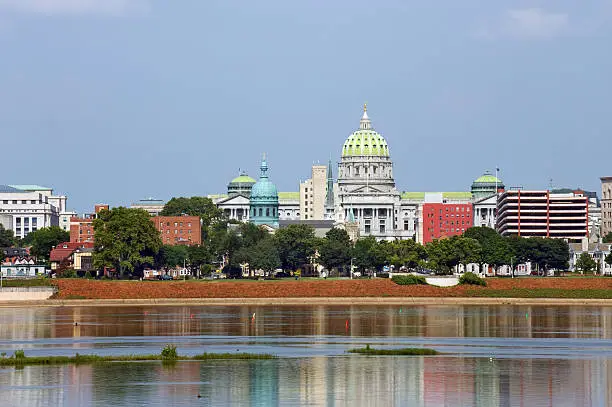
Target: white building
[606,206]
[597,251]
[27,208]
[366,189]
[313,192]
[151,205]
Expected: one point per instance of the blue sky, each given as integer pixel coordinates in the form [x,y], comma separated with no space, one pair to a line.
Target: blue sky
[115,100]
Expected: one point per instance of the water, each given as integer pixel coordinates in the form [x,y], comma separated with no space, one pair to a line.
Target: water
[496,356]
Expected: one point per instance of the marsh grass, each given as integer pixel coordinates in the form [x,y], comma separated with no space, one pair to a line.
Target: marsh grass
[398,352]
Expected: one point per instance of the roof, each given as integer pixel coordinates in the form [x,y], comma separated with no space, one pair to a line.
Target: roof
[447,195]
[289,195]
[8,188]
[604,247]
[149,201]
[365,143]
[64,250]
[31,188]
[217,196]
[488,178]
[243,179]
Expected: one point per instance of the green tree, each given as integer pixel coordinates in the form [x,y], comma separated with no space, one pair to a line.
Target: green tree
[335,249]
[7,239]
[494,249]
[608,238]
[264,255]
[172,256]
[469,250]
[43,240]
[295,245]
[368,254]
[194,206]
[443,254]
[608,258]
[585,263]
[406,253]
[125,239]
[198,256]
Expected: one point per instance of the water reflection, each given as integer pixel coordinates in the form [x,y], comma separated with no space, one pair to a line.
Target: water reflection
[366,321]
[340,381]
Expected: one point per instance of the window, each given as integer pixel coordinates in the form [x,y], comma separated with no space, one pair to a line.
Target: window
[181,224]
[382,226]
[267,211]
[14,202]
[5,202]
[305,216]
[23,201]
[167,223]
[33,201]
[189,224]
[260,212]
[175,224]
[175,231]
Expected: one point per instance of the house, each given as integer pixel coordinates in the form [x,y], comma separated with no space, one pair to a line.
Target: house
[21,267]
[74,255]
[597,251]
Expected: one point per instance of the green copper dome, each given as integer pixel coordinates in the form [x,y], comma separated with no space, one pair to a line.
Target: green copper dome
[243,179]
[487,179]
[365,141]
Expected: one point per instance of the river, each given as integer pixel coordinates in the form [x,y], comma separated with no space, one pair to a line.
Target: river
[493,356]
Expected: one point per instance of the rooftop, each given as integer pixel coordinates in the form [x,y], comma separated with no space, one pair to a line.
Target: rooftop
[448,195]
[31,188]
[289,195]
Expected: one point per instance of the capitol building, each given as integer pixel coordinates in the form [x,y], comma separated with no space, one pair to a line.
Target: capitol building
[363,199]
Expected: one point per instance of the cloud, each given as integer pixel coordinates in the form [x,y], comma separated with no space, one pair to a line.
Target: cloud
[527,23]
[75,7]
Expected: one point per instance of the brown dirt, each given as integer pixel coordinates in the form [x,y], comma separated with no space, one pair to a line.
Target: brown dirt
[93,289]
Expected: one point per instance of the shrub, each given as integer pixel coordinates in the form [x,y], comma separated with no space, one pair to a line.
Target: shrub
[68,273]
[19,354]
[473,279]
[409,279]
[88,275]
[169,352]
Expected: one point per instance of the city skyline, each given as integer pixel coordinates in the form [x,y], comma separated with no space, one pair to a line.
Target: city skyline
[118,103]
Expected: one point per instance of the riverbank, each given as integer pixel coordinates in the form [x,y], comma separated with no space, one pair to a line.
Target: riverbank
[530,287]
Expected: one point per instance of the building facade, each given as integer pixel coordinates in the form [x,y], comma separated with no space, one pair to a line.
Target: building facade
[543,214]
[151,205]
[606,206]
[597,251]
[442,220]
[27,208]
[179,230]
[313,192]
[81,227]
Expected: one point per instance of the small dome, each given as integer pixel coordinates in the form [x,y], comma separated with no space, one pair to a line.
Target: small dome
[243,179]
[264,190]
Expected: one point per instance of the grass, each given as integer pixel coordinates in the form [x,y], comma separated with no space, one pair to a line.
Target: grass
[20,359]
[398,352]
[542,293]
[29,282]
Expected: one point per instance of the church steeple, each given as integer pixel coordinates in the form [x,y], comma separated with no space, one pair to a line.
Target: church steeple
[329,199]
[365,123]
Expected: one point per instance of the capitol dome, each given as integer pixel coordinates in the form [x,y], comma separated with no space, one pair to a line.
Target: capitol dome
[264,199]
[486,185]
[365,141]
[241,185]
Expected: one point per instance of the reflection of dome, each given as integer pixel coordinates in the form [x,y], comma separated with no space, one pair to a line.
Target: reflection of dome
[486,185]
[240,185]
[365,141]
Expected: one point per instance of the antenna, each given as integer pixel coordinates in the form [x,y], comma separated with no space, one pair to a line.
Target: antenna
[550,184]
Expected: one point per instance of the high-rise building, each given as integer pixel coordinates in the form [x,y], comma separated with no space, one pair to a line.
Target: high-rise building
[543,214]
[606,206]
[313,193]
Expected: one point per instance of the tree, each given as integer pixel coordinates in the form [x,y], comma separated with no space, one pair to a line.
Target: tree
[194,206]
[172,256]
[494,249]
[335,249]
[295,245]
[7,239]
[608,238]
[585,263]
[198,256]
[469,250]
[264,256]
[125,239]
[43,240]
[608,258]
[406,253]
[443,254]
[368,254]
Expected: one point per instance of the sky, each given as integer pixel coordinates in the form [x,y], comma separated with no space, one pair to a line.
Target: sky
[111,101]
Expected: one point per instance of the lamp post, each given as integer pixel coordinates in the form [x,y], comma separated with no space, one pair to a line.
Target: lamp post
[511,267]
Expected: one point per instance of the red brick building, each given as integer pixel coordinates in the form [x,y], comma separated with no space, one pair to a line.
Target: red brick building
[81,228]
[175,230]
[445,220]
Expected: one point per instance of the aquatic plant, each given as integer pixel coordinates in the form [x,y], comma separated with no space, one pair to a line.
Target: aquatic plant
[400,352]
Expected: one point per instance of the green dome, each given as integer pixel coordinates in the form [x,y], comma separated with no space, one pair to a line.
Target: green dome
[365,142]
[488,179]
[243,179]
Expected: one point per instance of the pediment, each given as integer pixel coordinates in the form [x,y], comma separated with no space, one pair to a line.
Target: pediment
[234,200]
[367,189]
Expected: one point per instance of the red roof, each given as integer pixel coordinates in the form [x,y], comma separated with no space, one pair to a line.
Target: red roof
[64,250]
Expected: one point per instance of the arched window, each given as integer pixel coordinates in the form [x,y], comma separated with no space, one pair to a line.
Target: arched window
[267,211]
[260,212]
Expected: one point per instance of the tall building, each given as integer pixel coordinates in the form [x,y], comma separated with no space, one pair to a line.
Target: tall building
[606,205]
[442,220]
[543,214]
[264,199]
[329,193]
[367,188]
[313,193]
[27,208]
[179,230]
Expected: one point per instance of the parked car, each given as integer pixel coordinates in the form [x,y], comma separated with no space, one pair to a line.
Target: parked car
[164,277]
